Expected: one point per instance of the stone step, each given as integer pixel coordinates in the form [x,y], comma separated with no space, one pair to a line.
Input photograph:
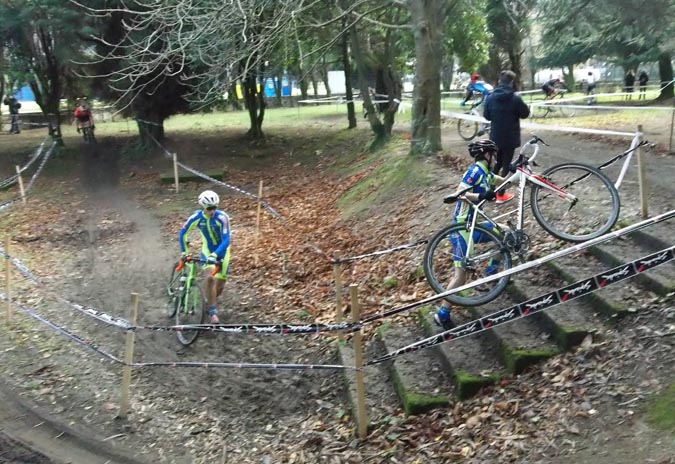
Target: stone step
[615,301]
[655,237]
[521,343]
[417,377]
[381,400]
[468,363]
[661,280]
[569,323]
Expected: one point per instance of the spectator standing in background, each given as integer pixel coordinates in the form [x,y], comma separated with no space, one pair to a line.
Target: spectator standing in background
[505,109]
[14,107]
[643,78]
[629,84]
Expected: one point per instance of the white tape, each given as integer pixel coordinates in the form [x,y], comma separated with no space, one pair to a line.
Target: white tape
[532,125]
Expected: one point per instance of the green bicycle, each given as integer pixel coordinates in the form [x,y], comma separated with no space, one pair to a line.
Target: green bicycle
[186,298]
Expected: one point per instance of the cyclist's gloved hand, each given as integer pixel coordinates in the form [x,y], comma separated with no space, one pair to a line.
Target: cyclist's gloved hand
[513,167]
[212,259]
[184,255]
[78,130]
[487,195]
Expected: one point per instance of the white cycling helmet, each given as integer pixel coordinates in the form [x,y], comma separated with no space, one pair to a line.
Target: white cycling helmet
[208,198]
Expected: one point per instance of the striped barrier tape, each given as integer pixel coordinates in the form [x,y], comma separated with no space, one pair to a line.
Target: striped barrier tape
[258,329]
[33,157]
[214,365]
[534,305]
[204,176]
[522,267]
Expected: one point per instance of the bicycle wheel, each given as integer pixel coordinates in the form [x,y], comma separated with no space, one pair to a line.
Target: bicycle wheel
[565,111]
[172,290]
[467,129]
[592,214]
[191,310]
[486,258]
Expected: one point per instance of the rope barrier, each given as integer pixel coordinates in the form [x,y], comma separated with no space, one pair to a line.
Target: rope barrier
[534,305]
[380,252]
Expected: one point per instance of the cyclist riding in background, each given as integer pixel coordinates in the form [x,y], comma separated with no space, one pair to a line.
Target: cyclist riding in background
[552,87]
[481,181]
[83,114]
[479,87]
[214,226]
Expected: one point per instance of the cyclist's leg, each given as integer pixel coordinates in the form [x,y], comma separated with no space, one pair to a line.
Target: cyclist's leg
[221,276]
[209,284]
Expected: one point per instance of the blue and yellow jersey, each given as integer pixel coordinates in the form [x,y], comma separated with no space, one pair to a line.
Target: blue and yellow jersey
[215,232]
[479,178]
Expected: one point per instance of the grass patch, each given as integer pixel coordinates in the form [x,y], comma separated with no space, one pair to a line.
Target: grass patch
[661,409]
[392,172]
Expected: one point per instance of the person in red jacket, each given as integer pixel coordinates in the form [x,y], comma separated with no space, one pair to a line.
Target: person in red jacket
[83,114]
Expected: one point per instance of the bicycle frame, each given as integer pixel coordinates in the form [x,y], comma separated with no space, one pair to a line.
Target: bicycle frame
[522,176]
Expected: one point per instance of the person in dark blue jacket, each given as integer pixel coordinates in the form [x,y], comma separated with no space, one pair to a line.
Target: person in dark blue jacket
[505,109]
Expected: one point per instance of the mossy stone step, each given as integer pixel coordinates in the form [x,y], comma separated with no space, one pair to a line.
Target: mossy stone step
[520,343]
[470,364]
[661,280]
[568,323]
[615,301]
[183,176]
[417,377]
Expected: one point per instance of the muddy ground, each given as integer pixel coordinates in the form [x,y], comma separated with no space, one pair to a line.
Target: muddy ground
[100,225]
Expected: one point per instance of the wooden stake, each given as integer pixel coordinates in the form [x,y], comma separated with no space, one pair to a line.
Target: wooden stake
[21,189]
[361,415]
[337,272]
[257,221]
[175,171]
[642,180]
[128,358]
[8,288]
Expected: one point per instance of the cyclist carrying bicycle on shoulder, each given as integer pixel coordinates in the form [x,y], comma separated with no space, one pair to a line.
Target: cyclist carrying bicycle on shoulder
[481,181]
[214,226]
[481,88]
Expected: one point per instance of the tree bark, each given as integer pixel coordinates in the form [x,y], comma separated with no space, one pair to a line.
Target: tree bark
[371,113]
[347,66]
[278,84]
[250,90]
[426,19]
[666,76]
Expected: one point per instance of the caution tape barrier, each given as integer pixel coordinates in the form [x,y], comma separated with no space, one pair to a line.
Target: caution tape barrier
[540,303]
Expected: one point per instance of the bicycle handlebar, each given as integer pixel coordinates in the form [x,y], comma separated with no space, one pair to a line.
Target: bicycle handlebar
[196,259]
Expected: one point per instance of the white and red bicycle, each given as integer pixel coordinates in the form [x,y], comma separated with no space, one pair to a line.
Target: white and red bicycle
[571,201]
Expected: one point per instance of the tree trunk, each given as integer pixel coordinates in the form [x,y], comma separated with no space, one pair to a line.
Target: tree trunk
[426,20]
[250,90]
[347,66]
[302,82]
[315,85]
[324,76]
[569,77]
[150,126]
[666,76]
[278,84]
[371,114]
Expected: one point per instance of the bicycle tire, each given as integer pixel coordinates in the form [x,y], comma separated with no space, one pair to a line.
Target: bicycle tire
[595,212]
[439,265]
[191,310]
[566,111]
[467,129]
[172,290]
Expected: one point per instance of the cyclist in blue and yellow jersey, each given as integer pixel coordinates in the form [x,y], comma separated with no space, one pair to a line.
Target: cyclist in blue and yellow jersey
[214,226]
[481,182]
[481,88]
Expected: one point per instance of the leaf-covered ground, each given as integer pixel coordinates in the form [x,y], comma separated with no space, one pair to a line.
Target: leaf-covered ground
[107,227]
